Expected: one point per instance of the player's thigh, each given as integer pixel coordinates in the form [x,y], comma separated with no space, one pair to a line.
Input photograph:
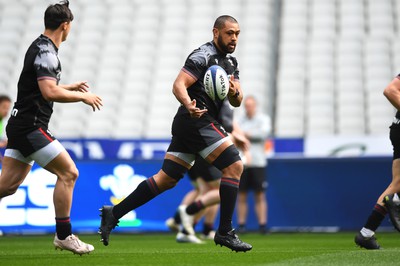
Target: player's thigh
[62,166]
[174,167]
[214,184]
[202,186]
[13,172]
[224,156]
[208,176]
[396,171]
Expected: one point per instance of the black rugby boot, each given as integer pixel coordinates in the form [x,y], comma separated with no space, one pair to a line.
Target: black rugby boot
[366,242]
[232,241]
[393,210]
[108,223]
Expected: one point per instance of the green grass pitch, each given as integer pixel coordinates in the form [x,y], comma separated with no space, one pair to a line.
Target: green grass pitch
[161,249]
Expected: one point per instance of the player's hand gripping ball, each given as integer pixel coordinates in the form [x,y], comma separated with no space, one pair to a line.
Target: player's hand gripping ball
[216,83]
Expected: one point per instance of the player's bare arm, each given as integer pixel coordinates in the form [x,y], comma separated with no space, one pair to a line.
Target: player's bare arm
[392,93]
[235,94]
[52,92]
[239,137]
[182,82]
[81,86]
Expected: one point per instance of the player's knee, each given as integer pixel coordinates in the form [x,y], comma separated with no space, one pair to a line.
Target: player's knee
[70,175]
[234,170]
[173,170]
[170,182]
[8,191]
[164,182]
[229,162]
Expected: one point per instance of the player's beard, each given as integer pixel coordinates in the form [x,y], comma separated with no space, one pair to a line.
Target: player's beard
[225,49]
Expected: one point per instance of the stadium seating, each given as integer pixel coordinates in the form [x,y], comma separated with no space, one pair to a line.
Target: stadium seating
[342,53]
[318,67]
[130,52]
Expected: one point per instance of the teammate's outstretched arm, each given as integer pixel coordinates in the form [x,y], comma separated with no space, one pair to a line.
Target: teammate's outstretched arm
[52,92]
[392,92]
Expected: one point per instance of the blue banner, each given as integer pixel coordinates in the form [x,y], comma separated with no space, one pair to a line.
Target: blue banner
[303,194]
[30,209]
[325,194]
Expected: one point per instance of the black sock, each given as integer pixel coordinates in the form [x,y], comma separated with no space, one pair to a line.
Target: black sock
[63,227]
[207,228]
[177,217]
[228,190]
[145,192]
[375,219]
[262,228]
[194,207]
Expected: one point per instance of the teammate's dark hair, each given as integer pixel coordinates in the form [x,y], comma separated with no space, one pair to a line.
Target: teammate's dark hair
[4,98]
[57,14]
[220,21]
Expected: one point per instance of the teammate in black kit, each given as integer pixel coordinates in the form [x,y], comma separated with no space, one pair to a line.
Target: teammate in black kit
[29,139]
[195,130]
[388,201]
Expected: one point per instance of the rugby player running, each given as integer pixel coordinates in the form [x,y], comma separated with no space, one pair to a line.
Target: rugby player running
[29,139]
[195,130]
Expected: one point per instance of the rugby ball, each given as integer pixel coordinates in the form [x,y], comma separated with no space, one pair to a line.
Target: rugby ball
[216,83]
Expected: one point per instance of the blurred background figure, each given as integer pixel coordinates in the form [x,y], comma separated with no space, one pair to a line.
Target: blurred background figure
[256,126]
[5,104]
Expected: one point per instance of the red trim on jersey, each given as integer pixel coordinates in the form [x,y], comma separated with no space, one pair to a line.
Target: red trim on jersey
[46,77]
[216,129]
[189,73]
[47,136]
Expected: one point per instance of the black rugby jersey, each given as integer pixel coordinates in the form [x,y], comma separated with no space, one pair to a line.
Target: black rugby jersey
[196,65]
[31,110]
[225,117]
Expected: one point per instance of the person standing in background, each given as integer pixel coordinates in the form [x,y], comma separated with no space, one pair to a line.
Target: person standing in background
[257,128]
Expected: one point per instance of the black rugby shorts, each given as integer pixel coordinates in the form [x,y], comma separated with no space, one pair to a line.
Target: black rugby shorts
[253,178]
[202,169]
[192,136]
[31,142]
[395,139]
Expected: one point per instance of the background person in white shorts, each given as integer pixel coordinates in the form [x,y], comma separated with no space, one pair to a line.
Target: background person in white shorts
[29,139]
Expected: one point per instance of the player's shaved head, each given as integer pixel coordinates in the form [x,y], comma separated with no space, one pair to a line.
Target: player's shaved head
[220,21]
